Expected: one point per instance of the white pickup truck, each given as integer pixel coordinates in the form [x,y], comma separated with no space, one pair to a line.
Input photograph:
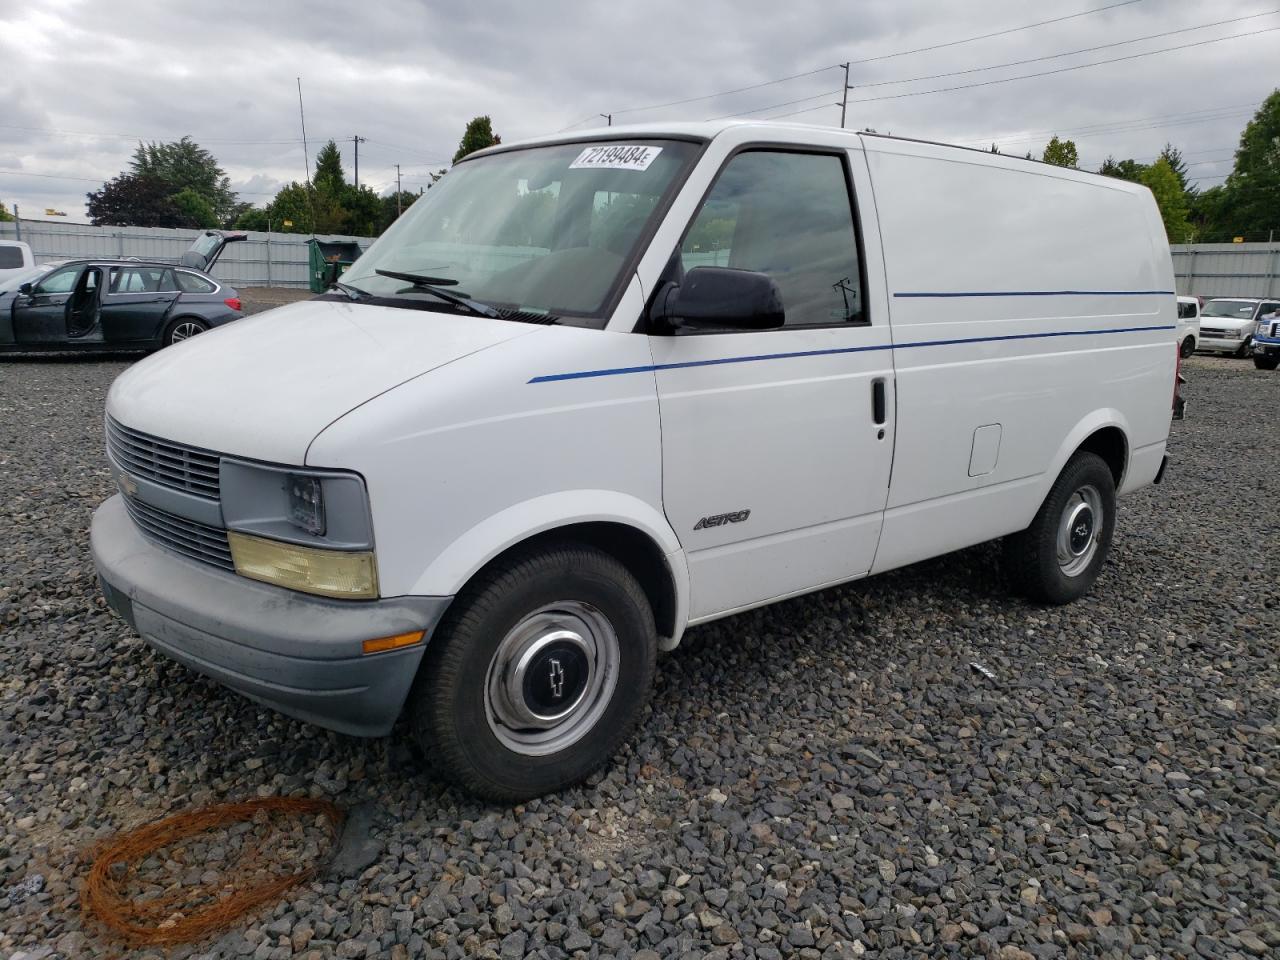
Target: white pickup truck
[593,390]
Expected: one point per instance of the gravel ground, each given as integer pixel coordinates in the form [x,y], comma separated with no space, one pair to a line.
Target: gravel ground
[824,778]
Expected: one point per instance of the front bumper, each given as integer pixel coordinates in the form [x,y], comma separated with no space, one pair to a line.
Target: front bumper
[1266,346]
[298,654]
[1218,345]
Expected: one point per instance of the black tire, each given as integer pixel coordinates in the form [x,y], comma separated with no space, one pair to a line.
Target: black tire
[1266,363]
[1245,349]
[449,712]
[1031,557]
[181,324]
[1188,347]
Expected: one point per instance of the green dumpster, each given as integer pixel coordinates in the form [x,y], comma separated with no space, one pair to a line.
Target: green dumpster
[329,260]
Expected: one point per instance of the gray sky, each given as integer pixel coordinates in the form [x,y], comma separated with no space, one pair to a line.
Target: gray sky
[83,81]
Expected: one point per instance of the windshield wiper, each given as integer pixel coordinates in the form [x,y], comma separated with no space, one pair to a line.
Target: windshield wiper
[352,293]
[432,286]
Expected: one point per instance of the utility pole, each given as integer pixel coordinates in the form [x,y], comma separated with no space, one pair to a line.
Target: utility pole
[608,117]
[844,93]
[357,141]
[397,191]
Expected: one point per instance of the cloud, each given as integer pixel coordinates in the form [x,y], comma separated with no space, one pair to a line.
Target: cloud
[84,81]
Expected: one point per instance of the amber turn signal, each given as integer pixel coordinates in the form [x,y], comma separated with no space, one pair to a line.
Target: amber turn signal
[383,644]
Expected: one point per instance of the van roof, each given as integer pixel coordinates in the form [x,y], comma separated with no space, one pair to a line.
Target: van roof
[708,129]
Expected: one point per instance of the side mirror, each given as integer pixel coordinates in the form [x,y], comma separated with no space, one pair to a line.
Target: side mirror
[25,289]
[712,297]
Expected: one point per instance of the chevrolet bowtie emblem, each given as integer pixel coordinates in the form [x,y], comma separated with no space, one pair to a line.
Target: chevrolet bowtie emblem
[557,679]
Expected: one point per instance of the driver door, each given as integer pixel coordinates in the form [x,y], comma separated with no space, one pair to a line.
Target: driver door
[41,316]
[776,444]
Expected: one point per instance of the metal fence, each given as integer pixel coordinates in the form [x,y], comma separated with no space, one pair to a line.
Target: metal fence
[280,259]
[264,259]
[1227,269]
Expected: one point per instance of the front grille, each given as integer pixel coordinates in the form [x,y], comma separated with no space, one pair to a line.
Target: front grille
[1212,332]
[191,539]
[162,461]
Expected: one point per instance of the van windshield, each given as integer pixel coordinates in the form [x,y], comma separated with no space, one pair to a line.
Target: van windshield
[1240,309]
[546,230]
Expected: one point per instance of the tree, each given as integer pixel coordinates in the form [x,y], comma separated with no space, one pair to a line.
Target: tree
[184,164]
[1162,181]
[478,135]
[255,218]
[132,200]
[1173,156]
[1061,153]
[1252,201]
[194,209]
[393,207]
[994,148]
[1129,170]
[5,215]
[329,173]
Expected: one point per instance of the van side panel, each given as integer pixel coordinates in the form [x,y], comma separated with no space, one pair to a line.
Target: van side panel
[1035,299]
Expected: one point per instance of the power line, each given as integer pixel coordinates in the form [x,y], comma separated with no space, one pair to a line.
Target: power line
[837,66]
[998,33]
[1058,56]
[1189,115]
[1080,66]
[774,106]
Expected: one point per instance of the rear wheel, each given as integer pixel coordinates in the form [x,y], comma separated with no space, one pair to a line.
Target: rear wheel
[184,328]
[1266,363]
[1188,347]
[538,673]
[1057,558]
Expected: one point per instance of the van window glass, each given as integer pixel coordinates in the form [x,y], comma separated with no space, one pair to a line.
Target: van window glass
[10,258]
[191,283]
[787,215]
[1186,311]
[60,281]
[544,230]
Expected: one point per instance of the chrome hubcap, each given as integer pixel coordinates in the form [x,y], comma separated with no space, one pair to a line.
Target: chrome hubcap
[551,678]
[184,331]
[1079,529]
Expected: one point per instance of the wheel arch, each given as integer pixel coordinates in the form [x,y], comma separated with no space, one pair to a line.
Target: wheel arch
[172,320]
[1103,432]
[630,531]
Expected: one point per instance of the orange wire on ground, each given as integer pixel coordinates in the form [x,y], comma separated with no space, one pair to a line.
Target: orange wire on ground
[193,911]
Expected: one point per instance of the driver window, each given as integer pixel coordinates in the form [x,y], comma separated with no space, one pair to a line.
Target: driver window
[788,215]
[60,281]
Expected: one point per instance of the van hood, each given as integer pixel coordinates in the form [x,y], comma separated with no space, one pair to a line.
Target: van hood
[265,386]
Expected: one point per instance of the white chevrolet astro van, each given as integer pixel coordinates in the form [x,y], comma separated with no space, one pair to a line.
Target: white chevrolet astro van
[590,391]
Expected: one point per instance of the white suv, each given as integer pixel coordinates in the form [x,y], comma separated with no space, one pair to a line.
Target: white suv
[1227,326]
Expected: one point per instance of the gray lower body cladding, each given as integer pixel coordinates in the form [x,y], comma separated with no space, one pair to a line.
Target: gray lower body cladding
[299,654]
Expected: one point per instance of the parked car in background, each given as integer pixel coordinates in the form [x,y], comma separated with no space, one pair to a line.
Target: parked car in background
[15,256]
[113,305]
[1266,340]
[1188,325]
[1228,325]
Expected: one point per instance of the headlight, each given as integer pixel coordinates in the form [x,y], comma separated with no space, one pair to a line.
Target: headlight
[308,530]
[349,575]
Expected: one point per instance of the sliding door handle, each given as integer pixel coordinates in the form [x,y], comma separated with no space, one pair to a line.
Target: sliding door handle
[877,400]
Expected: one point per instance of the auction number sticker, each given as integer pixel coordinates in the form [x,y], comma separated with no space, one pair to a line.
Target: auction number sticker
[618,156]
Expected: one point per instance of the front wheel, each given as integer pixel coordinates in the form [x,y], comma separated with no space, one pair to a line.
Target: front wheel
[1188,347]
[537,674]
[1245,349]
[1266,363]
[1057,558]
[184,328]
